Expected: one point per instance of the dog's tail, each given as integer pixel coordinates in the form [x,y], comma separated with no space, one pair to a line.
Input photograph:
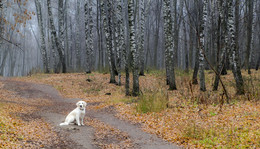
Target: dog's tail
[63,124]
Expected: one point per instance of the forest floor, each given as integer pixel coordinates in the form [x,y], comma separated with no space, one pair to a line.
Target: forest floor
[186,117]
[31,113]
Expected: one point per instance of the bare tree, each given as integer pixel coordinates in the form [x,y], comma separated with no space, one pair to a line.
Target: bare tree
[56,39]
[221,43]
[233,51]
[89,35]
[1,22]
[249,30]
[202,46]
[169,45]
[141,37]
[177,16]
[42,37]
[106,10]
[120,38]
[133,48]
[78,45]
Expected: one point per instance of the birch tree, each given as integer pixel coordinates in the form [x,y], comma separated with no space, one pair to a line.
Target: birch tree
[55,38]
[42,37]
[61,30]
[121,39]
[78,47]
[221,42]
[133,48]
[106,10]
[249,30]
[233,51]
[61,22]
[195,38]
[89,35]
[177,16]
[141,39]
[1,22]
[202,46]
[169,45]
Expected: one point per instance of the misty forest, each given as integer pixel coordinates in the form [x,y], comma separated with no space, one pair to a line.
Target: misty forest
[186,70]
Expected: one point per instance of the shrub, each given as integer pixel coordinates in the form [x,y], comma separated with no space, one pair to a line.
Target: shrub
[152,102]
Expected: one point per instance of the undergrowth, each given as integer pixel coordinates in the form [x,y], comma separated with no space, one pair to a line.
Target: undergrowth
[152,102]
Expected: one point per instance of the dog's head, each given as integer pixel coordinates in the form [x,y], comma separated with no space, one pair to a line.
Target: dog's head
[81,104]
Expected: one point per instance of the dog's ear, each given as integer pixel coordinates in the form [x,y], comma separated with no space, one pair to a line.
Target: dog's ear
[77,104]
[85,104]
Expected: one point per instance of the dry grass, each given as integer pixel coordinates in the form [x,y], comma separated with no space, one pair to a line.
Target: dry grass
[194,119]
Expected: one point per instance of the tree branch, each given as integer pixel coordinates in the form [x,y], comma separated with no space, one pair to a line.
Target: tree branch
[15,44]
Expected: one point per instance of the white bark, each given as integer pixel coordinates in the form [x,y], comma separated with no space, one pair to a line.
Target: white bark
[78,47]
[202,47]
[42,37]
[233,51]
[106,10]
[55,39]
[169,45]
[89,35]
[120,39]
[141,39]
[133,48]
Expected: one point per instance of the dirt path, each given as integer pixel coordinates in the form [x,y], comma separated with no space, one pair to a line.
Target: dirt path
[81,137]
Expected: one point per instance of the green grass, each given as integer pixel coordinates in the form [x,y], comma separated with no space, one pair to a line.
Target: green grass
[214,136]
[152,102]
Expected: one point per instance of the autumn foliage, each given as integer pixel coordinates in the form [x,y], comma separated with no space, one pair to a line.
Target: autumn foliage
[189,117]
[18,127]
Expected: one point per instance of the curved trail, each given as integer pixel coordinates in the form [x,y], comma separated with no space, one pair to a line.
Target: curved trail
[82,137]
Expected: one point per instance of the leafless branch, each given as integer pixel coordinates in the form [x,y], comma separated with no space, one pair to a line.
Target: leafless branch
[15,44]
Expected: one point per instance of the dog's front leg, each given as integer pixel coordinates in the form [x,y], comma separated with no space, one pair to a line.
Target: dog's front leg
[82,118]
[77,119]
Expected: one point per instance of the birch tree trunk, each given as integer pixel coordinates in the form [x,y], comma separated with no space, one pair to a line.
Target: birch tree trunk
[221,43]
[157,31]
[78,47]
[120,38]
[133,48]
[42,37]
[99,36]
[141,40]
[126,56]
[61,33]
[61,22]
[57,42]
[196,66]
[1,23]
[89,35]
[186,48]
[258,60]
[175,30]
[169,45]
[106,9]
[249,27]
[177,24]
[202,46]
[233,51]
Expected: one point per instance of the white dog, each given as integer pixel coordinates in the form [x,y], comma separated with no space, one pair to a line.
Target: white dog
[77,114]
